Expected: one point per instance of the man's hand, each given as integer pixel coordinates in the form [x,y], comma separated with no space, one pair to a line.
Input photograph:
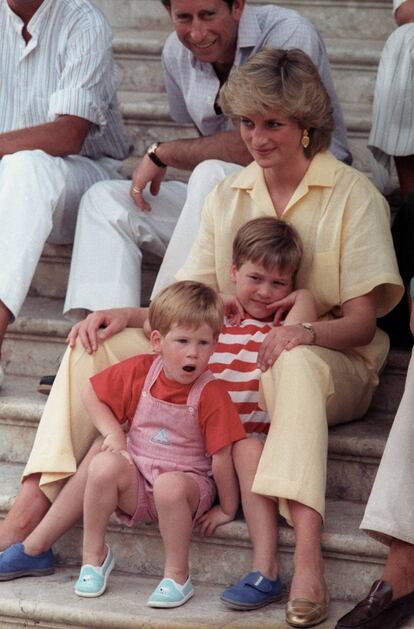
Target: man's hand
[146,172]
[98,326]
[212,519]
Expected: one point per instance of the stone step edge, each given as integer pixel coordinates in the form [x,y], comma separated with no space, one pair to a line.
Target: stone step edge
[26,413]
[349,543]
[153,108]
[397,359]
[124,607]
[346,52]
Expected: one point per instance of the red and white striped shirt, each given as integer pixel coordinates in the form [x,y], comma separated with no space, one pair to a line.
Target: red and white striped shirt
[235,361]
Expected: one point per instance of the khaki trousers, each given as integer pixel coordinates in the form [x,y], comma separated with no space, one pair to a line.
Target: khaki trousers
[307,389]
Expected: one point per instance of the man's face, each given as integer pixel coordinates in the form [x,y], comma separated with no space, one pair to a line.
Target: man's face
[207,27]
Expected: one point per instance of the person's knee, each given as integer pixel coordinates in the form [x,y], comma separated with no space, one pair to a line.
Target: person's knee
[22,163]
[206,175]
[105,468]
[171,488]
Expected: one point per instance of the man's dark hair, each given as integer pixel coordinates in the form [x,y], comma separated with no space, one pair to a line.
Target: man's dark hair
[167,3]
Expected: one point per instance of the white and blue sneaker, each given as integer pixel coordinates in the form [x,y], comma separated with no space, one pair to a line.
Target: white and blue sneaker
[168,593]
[92,579]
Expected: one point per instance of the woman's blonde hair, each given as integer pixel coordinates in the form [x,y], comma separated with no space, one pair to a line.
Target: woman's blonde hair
[270,242]
[286,81]
[188,304]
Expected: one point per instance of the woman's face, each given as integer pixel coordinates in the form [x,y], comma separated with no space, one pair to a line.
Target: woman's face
[272,139]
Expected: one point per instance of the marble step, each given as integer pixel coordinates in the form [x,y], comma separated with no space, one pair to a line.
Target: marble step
[49,603]
[361,19]
[52,273]
[355,449]
[35,341]
[138,56]
[353,560]
[147,120]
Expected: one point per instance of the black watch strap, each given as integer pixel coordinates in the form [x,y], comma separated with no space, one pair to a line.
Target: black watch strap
[151,152]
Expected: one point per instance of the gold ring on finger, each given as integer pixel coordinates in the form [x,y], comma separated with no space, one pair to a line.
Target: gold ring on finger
[136,190]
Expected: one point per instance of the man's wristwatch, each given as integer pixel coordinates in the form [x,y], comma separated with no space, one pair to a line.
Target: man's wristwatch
[151,152]
[309,327]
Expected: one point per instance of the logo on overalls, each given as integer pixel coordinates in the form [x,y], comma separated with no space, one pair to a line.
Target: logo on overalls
[161,437]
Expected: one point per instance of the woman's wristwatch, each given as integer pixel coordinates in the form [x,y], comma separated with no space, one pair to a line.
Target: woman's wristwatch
[309,327]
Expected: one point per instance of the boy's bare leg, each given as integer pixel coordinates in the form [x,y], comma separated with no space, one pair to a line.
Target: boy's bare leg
[176,497]
[27,511]
[259,511]
[64,512]
[308,580]
[111,481]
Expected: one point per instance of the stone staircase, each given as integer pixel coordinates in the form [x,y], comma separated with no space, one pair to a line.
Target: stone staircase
[354,32]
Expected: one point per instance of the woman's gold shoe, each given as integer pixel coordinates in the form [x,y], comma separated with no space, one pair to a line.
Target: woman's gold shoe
[300,612]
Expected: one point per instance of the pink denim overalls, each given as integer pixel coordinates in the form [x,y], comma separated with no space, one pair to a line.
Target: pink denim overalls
[166,437]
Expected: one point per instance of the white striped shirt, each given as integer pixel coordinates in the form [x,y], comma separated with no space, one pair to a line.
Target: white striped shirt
[192,86]
[235,362]
[67,67]
[392,131]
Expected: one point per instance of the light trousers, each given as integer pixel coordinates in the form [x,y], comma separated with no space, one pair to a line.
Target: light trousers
[307,389]
[390,509]
[39,199]
[112,232]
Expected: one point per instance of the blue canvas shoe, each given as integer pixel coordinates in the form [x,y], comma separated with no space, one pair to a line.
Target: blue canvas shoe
[168,593]
[92,579]
[14,563]
[252,591]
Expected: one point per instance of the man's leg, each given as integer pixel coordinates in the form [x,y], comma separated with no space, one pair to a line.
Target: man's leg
[203,179]
[39,198]
[110,234]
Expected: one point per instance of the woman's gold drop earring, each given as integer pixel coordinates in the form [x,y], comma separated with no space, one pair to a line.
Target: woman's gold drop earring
[305,139]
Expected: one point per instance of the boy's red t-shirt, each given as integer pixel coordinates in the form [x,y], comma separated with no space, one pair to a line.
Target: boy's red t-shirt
[120,387]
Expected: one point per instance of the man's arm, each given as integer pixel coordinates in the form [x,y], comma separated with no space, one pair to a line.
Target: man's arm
[63,136]
[186,154]
[405,13]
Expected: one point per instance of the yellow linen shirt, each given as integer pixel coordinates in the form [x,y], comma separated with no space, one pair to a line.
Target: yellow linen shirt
[344,224]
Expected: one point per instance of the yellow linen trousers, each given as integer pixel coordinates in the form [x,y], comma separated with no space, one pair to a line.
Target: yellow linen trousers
[307,389]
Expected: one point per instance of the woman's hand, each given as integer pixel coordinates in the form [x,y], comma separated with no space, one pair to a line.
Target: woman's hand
[99,326]
[278,339]
[233,309]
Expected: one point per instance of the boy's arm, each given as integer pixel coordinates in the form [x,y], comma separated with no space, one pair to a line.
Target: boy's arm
[228,491]
[104,421]
[303,308]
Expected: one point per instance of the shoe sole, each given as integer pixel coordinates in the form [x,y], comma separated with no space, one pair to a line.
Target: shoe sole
[41,572]
[160,604]
[249,606]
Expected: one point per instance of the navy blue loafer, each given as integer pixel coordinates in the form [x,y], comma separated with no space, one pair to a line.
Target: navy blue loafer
[14,563]
[252,591]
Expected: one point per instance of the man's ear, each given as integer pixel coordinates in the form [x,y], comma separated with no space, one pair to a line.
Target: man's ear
[233,272]
[156,341]
[237,9]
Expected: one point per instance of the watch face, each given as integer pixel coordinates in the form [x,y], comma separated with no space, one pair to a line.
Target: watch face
[152,148]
